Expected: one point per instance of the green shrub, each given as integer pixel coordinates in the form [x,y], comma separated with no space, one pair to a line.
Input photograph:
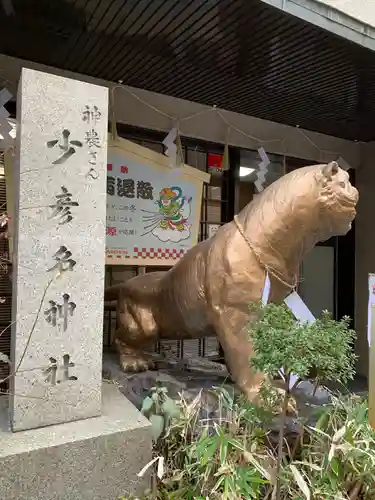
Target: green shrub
[324,347]
[235,457]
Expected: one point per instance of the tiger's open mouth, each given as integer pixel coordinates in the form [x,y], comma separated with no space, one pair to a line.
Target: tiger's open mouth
[350,212]
[352,196]
[349,202]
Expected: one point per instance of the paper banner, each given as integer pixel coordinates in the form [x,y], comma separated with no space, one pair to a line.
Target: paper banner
[299,309]
[170,146]
[262,172]
[266,290]
[135,233]
[173,149]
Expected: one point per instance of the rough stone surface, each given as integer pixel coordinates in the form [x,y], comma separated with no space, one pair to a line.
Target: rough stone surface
[43,392]
[180,376]
[195,378]
[94,459]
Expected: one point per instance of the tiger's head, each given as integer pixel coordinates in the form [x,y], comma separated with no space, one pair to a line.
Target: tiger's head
[336,200]
[311,204]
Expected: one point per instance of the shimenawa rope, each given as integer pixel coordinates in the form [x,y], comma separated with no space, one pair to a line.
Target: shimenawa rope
[270,270]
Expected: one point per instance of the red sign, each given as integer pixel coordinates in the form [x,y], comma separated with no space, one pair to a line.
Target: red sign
[214,160]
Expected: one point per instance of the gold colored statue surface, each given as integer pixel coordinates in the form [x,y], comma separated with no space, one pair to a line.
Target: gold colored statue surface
[209,290]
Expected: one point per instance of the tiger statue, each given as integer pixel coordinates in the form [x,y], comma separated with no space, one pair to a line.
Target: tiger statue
[209,290]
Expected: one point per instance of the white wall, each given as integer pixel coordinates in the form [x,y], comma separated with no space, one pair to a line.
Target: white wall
[363,10]
[353,20]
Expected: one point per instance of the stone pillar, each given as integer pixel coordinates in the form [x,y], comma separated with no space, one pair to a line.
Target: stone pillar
[82,428]
[59,250]
[365,250]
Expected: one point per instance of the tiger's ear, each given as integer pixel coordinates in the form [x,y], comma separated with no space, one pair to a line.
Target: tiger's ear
[330,169]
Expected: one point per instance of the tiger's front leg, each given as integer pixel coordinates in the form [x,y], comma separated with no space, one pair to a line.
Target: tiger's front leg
[231,327]
[136,329]
[232,330]
[133,360]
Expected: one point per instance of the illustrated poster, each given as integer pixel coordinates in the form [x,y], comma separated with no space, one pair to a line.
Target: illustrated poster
[152,212]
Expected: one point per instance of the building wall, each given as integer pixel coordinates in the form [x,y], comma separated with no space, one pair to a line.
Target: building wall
[365,249]
[362,10]
[353,20]
[137,107]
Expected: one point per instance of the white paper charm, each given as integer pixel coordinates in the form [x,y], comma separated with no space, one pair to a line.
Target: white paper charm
[170,146]
[3,114]
[172,150]
[5,96]
[7,133]
[262,172]
[266,290]
[264,157]
[299,308]
[212,229]
[302,313]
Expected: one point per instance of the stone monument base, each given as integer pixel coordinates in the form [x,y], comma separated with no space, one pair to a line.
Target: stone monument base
[93,459]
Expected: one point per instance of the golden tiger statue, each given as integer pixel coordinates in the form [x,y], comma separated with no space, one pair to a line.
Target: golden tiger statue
[209,290]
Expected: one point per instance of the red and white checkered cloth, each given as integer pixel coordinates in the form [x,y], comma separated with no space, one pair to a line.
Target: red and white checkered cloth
[158,253]
[152,253]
